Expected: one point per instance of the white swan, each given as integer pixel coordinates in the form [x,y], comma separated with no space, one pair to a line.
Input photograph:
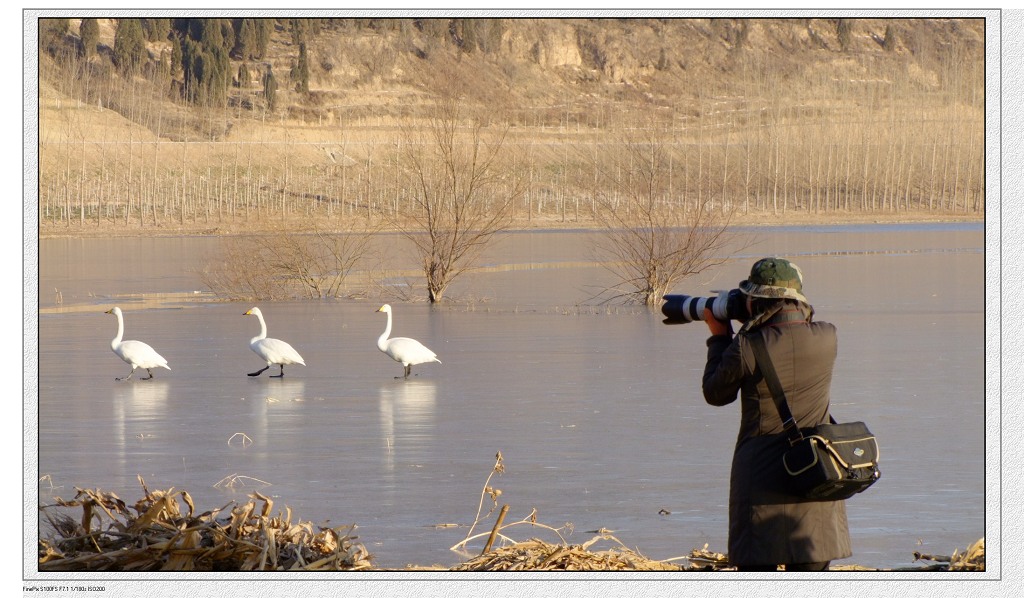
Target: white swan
[135,353]
[270,349]
[406,351]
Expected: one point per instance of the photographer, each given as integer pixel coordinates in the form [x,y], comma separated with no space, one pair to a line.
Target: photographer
[767,526]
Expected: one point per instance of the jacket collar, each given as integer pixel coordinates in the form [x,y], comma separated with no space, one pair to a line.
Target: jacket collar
[782,314]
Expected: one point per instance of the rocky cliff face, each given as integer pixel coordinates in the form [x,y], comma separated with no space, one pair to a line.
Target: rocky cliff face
[534,62]
[387,67]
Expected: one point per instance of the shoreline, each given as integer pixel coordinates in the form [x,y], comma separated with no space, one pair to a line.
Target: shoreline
[546,223]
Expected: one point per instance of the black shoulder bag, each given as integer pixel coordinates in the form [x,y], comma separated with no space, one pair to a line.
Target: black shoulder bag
[829,461]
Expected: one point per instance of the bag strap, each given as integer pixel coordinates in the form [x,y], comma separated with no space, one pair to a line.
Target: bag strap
[764,363]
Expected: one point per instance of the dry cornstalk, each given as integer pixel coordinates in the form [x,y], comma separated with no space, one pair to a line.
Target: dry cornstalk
[497,526]
[154,535]
[495,533]
[537,555]
[530,519]
[702,558]
[234,479]
[973,559]
[494,493]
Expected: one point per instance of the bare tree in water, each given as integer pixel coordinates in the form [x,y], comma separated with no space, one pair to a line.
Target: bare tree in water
[285,265]
[463,180]
[655,234]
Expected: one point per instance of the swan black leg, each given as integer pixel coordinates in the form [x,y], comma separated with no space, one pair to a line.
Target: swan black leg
[126,377]
[150,372]
[260,372]
[281,375]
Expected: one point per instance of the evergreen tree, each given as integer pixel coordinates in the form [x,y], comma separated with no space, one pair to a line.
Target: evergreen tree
[196,28]
[156,29]
[299,28]
[176,57]
[844,29]
[251,38]
[217,76]
[163,66]
[191,67]
[889,43]
[300,74]
[264,29]
[90,33]
[227,34]
[129,46]
[270,89]
[55,27]
[245,39]
[663,63]
[52,32]
[205,62]
[211,35]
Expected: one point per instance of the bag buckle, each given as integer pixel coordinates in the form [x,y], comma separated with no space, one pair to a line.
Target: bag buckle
[788,427]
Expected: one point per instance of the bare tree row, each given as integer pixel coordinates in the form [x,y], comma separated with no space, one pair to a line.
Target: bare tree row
[906,165]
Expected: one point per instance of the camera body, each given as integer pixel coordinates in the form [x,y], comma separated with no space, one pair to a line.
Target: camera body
[727,305]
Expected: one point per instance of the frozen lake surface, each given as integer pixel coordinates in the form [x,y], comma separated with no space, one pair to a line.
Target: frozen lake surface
[597,410]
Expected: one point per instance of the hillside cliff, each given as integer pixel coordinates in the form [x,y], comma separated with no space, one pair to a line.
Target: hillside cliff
[734,90]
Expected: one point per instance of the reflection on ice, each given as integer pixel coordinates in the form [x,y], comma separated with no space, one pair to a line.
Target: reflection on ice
[139,409]
[285,391]
[277,398]
[406,415]
[139,406]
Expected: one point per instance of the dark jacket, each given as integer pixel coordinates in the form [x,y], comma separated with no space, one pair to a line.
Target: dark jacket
[766,525]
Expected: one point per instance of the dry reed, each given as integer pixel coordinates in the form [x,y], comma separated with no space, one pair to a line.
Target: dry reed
[154,535]
[538,555]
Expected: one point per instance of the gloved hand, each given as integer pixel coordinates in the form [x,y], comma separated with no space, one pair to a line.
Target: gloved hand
[716,326]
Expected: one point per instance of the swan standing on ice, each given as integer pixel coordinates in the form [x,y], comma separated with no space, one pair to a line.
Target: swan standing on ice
[135,353]
[406,351]
[271,350]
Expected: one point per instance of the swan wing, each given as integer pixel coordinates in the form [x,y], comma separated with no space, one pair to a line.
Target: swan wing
[409,351]
[138,353]
[273,350]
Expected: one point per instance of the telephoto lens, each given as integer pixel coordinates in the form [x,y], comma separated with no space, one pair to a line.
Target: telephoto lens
[727,305]
[681,309]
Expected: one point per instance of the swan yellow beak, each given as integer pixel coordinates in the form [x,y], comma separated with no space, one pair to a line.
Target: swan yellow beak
[247,313]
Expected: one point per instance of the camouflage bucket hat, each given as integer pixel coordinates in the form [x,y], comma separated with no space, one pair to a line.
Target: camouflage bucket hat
[775,278]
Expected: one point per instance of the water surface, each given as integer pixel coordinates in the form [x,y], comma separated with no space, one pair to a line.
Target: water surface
[597,410]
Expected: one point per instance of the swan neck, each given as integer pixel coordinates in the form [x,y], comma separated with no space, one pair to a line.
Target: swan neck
[383,340]
[263,329]
[120,330]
